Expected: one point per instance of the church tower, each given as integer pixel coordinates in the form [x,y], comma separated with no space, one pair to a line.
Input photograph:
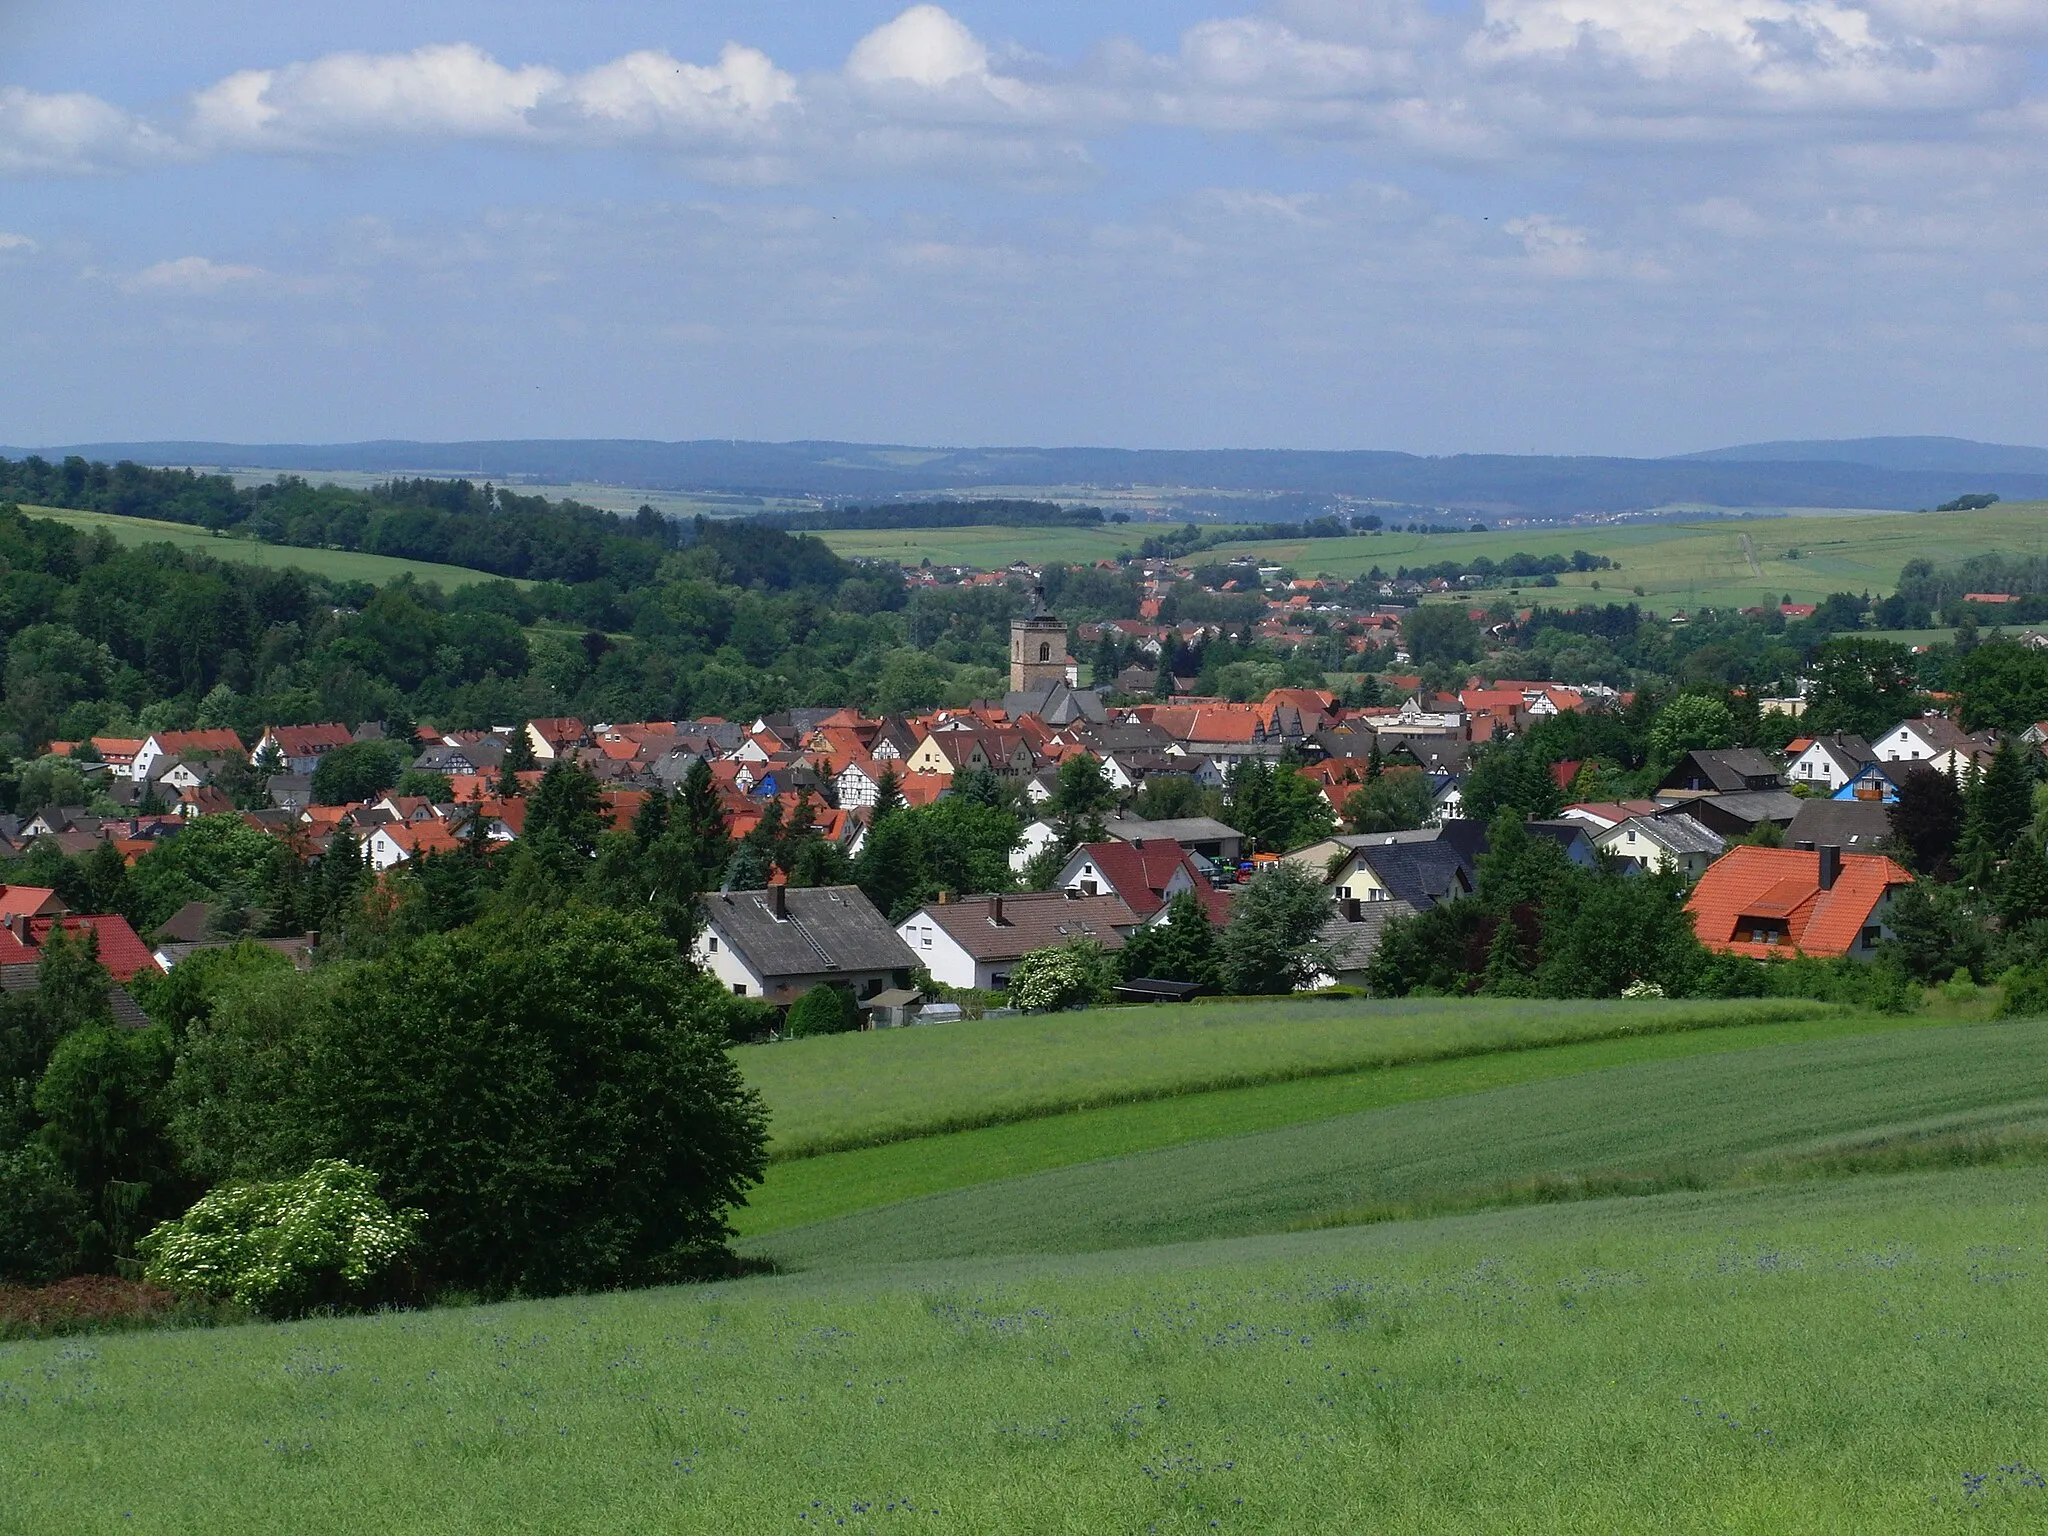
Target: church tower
[1038,647]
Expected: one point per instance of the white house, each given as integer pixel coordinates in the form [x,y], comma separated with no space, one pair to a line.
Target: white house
[779,943]
[1036,838]
[978,941]
[1830,761]
[1663,842]
[1935,739]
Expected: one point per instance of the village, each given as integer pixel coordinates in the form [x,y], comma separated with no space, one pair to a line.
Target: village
[1782,853]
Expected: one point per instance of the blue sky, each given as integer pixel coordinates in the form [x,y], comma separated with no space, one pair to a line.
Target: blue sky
[1634,226]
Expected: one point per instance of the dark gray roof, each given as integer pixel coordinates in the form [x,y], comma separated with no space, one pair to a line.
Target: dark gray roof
[1851,751]
[1725,771]
[1855,825]
[28,978]
[1737,815]
[1351,945]
[1056,703]
[1180,829]
[1421,874]
[829,928]
[1678,832]
[1035,920]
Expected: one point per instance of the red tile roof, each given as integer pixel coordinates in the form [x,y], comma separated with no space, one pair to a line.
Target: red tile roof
[28,900]
[309,740]
[219,743]
[1781,886]
[122,952]
[1139,872]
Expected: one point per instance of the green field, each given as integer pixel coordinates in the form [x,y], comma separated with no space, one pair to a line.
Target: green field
[835,1091]
[988,548]
[1817,1310]
[799,1190]
[336,564]
[1678,564]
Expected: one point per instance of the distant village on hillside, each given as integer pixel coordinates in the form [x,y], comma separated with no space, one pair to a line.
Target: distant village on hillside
[1783,852]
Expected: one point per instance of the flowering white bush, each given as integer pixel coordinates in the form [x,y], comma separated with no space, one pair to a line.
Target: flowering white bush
[323,1237]
[1047,980]
[1642,989]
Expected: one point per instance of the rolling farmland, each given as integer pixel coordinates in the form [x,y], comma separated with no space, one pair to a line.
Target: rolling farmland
[1817,1311]
[336,564]
[1676,564]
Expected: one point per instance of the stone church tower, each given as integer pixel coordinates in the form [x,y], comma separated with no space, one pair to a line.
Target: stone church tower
[1038,647]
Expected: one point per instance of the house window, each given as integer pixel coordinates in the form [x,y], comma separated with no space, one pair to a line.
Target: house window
[739,989]
[1045,652]
[711,943]
[924,938]
[1871,935]
[999,981]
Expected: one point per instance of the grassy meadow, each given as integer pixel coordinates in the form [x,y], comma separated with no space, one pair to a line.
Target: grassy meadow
[336,564]
[1278,1267]
[1856,1355]
[830,1092]
[1724,562]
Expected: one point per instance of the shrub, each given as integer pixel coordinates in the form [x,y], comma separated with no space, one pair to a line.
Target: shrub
[824,1010]
[40,1215]
[322,1239]
[1074,973]
[554,1092]
[2026,992]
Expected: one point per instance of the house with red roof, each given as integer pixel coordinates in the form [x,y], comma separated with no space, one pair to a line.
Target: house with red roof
[20,901]
[176,746]
[121,950]
[397,841]
[300,747]
[556,737]
[1782,901]
[1146,873]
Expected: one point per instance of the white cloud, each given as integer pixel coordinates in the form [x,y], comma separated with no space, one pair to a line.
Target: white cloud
[190,275]
[457,91]
[923,46]
[923,93]
[1726,56]
[10,242]
[71,134]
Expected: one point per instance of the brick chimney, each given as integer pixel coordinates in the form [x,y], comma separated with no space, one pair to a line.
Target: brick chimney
[781,899]
[995,910]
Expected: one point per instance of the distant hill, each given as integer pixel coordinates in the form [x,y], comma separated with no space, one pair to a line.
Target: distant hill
[1952,455]
[1490,485]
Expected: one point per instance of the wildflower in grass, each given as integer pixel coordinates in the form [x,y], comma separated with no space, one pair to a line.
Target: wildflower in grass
[324,1238]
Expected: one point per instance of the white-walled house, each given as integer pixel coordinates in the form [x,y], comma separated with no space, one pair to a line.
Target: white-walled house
[779,943]
[978,941]
[1938,740]
[1830,761]
[1655,843]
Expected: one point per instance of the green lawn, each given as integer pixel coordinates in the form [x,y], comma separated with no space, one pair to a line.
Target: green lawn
[809,1189]
[337,564]
[1696,1112]
[837,1091]
[1845,1356]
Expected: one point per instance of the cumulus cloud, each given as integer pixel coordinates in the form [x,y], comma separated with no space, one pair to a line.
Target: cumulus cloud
[923,91]
[457,91]
[72,134]
[1731,55]
[10,242]
[190,275]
